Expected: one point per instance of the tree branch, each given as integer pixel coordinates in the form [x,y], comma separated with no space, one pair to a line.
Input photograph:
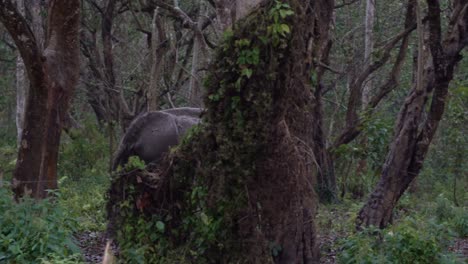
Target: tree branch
[354,123]
[22,35]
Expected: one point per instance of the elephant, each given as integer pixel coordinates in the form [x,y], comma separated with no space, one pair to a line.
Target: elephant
[152,134]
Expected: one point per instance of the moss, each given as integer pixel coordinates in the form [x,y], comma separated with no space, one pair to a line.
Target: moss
[203,193]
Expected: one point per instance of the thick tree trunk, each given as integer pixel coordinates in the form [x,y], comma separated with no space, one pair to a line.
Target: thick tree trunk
[53,75]
[413,137]
[22,82]
[249,168]
[22,87]
[225,14]
[229,11]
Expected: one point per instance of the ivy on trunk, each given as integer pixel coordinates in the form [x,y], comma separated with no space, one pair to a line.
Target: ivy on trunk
[239,188]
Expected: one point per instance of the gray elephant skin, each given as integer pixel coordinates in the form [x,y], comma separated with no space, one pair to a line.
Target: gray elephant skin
[151,134]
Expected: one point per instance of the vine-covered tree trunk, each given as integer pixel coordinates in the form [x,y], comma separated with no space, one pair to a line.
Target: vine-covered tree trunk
[413,133]
[239,188]
[53,75]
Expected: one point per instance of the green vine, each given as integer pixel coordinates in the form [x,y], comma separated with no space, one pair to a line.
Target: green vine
[214,163]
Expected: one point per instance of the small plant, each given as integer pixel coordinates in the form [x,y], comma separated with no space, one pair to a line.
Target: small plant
[85,200]
[135,163]
[279,30]
[84,156]
[443,208]
[460,222]
[31,230]
[413,240]
[55,259]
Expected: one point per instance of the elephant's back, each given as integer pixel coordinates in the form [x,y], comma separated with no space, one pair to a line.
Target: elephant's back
[156,136]
[185,111]
[151,134]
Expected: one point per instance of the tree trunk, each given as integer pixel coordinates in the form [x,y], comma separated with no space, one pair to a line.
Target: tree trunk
[22,82]
[21,95]
[249,168]
[244,7]
[53,75]
[413,135]
[326,180]
[225,14]
[21,87]
[199,51]
[157,41]
[368,48]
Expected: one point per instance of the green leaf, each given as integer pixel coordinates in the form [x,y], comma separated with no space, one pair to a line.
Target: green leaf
[204,218]
[285,29]
[238,84]
[247,72]
[160,226]
[214,97]
[285,13]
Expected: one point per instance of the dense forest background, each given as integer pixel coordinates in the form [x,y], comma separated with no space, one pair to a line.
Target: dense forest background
[372,70]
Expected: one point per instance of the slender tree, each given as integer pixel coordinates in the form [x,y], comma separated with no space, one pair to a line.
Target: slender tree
[53,75]
[413,133]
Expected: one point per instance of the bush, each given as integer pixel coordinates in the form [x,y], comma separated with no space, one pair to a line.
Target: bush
[32,230]
[460,222]
[443,208]
[456,218]
[7,161]
[85,200]
[55,259]
[86,155]
[84,177]
[411,241]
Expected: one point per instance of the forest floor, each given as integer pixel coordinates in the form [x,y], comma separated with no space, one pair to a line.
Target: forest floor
[93,245]
[335,225]
[460,247]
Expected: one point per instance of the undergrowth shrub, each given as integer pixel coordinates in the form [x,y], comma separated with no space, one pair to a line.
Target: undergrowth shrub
[443,208]
[460,222]
[413,240]
[7,161]
[85,200]
[32,230]
[84,176]
[453,216]
[86,155]
[55,259]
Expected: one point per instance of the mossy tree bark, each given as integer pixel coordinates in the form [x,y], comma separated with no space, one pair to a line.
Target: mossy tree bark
[239,188]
